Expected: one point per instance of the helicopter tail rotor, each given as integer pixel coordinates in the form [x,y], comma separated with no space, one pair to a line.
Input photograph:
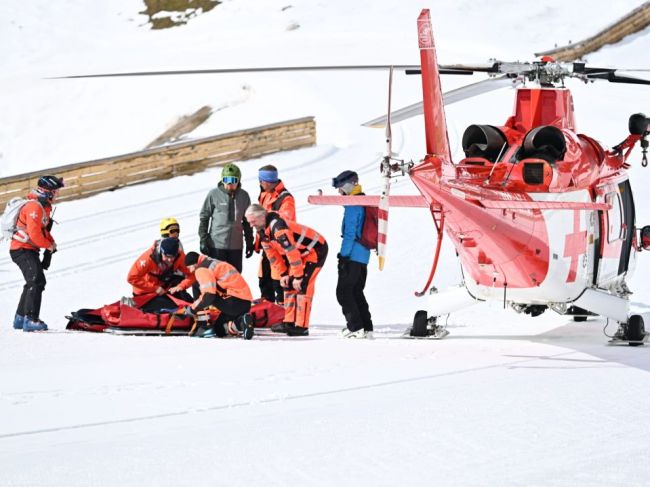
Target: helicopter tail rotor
[384,204]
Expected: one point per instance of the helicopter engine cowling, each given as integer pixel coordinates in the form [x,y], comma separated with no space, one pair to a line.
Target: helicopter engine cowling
[484,141]
[546,142]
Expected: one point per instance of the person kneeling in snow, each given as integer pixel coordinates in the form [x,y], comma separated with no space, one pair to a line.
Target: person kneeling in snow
[157,272]
[222,289]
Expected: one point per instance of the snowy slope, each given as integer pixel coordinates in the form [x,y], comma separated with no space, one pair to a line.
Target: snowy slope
[505,400]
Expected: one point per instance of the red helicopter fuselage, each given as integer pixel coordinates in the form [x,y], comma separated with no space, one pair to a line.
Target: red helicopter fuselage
[534,208]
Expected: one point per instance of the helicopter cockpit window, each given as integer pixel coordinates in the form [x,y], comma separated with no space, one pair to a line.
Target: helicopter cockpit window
[614,217]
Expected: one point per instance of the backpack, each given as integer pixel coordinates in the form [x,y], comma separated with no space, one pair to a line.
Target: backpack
[370,231]
[10,217]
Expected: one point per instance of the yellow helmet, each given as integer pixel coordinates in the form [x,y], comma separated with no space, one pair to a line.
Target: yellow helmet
[167,224]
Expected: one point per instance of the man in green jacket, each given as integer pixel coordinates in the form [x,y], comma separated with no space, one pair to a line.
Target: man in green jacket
[222,226]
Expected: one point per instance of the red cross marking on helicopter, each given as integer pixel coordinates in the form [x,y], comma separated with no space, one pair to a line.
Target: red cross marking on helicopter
[575,244]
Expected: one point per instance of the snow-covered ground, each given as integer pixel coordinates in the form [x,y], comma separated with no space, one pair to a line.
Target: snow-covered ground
[504,400]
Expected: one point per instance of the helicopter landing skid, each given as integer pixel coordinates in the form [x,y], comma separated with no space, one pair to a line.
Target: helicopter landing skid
[425,327]
[435,335]
[625,341]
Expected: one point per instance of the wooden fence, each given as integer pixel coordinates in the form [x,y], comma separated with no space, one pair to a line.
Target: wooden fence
[638,19]
[88,178]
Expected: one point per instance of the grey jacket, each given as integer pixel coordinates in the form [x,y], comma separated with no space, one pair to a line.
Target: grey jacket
[221,222]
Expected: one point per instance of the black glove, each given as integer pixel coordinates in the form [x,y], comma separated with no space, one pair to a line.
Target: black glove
[343,263]
[47,260]
[204,245]
[249,251]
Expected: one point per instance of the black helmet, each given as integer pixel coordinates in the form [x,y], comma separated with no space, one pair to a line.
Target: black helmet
[345,177]
[169,246]
[50,183]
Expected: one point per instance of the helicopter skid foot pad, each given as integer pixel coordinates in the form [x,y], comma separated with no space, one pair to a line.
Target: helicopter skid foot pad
[437,334]
[624,341]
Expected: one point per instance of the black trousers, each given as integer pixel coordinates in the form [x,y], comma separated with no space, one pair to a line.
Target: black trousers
[30,265]
[270,288]
[349,293]
[231,308]
[165,302]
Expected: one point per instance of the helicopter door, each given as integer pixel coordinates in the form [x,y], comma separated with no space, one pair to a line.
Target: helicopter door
[627,207]
[617,231]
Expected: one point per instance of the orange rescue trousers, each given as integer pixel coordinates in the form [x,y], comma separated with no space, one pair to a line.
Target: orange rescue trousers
[297,304]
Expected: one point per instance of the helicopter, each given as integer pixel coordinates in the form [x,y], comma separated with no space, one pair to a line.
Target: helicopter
[541,217]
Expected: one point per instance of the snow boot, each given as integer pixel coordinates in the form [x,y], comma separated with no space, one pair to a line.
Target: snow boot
[18,322]
[245,325]
[297,331]
[281,327]
[205,332]
[357,334]
[33,325]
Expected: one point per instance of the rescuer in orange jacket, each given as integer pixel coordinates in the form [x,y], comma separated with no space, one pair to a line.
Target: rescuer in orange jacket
[33,225]
[305,252]
[157,272]
[273,197]
[222,289]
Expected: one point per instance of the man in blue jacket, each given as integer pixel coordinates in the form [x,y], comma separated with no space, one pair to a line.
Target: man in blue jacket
[353,262]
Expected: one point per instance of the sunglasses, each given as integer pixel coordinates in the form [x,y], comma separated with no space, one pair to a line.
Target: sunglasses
[230,180]
[173,230]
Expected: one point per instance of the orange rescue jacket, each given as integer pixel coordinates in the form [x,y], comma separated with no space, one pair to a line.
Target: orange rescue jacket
[33,219]
[147,272]
[219,277]
[286,238]
[280,201]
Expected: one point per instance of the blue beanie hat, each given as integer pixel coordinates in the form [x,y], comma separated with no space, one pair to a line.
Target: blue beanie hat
[268,176]
[169,246]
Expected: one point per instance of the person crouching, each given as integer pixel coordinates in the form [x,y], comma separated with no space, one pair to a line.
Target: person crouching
[155,275]
[223,291]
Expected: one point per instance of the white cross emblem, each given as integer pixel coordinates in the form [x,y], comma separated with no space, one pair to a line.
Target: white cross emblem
[143,263]
[34,215]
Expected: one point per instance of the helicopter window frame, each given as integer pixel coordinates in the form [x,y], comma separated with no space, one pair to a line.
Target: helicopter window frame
[615,228]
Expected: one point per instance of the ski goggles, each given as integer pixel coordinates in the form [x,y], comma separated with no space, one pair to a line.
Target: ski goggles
[230,179]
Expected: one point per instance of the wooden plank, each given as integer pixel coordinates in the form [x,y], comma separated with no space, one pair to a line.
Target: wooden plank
[636,20]
[93,177]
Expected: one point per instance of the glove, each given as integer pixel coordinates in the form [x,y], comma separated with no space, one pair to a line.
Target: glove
[249,251]
[205,246]
[343,263]
[160,291]
[47,259]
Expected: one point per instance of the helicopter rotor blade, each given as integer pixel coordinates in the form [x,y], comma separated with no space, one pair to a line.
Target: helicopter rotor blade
[612,77]
[449,97]
[384,204]
[269,69]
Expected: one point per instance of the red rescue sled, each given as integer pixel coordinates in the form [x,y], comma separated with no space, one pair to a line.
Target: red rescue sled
[126,318]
